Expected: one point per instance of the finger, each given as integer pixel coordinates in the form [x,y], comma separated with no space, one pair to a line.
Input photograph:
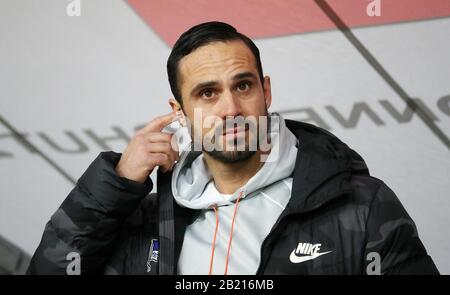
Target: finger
[159,147]
[160,160]
[164,148]
[158,137]
[167,164]
[177,156]
[174,157]
[159,123]
[164,138]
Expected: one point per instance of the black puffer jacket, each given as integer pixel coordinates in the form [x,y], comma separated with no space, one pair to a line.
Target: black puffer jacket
[118,228]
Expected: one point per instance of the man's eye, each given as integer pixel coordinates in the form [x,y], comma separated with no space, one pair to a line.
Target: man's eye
[208,93]
[243,86]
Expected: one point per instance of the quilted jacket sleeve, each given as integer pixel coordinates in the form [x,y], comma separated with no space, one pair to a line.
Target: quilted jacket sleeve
[393,244]
[85,227]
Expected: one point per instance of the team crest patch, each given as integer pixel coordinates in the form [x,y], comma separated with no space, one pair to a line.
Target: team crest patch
[153,254]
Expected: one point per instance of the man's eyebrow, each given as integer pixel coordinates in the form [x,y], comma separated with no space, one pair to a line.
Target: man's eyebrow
[203,85]
[214,83]
[244,75]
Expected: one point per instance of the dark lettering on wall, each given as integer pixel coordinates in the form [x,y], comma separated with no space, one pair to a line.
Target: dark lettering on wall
[80,146]
[311,117]
[444,104]
[103,141]
[358,109]
[408,112]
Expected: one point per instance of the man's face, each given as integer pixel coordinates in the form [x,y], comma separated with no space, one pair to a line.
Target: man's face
[221,81]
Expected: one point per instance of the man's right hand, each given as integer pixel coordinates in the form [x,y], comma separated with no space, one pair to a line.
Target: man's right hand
[147,149]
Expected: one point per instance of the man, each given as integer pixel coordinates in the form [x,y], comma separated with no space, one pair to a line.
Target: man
[301,202]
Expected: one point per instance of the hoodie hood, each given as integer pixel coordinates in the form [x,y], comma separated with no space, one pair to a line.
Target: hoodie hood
[191,175]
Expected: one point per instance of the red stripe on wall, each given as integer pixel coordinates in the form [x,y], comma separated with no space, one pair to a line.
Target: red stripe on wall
[257,18]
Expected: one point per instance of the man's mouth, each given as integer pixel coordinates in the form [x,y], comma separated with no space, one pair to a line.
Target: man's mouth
[234,133]
[235,130]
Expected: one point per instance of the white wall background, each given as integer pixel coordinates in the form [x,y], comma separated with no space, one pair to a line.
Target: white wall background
[106,68]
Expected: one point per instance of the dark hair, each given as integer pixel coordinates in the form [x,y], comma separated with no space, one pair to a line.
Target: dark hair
[201,35]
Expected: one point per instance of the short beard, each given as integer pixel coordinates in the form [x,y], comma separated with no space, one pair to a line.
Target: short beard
[231,157]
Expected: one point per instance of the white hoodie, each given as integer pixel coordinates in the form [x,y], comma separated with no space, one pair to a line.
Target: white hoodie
[262,200]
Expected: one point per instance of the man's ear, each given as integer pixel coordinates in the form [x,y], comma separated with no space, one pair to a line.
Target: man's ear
[267,91]
[176,107]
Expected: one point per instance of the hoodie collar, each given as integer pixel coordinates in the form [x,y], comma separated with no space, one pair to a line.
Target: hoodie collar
[191,176]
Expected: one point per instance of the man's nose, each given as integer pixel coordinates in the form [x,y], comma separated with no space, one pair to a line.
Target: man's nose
[230,105]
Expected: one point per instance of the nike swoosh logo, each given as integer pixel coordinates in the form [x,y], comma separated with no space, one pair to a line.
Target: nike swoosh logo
[299,259]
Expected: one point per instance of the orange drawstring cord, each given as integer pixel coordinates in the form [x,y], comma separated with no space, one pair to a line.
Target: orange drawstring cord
[214,241]
[229,240]
[231,233]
